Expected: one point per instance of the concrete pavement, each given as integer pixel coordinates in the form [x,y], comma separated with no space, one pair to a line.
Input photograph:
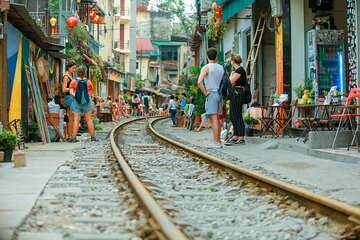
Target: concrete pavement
[333,173]
[20,187]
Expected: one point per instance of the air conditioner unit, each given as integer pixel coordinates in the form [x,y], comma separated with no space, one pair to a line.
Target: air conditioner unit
[276,8]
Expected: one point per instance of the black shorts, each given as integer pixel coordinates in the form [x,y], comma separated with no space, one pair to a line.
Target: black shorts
[135,105]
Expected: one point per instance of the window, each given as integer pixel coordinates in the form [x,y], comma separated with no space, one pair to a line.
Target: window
[168,53]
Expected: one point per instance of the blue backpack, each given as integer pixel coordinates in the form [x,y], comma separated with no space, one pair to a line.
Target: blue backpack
[224,86]
[81,93]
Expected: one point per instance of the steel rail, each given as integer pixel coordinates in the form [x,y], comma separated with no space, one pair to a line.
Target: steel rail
[161,223]
[334,209]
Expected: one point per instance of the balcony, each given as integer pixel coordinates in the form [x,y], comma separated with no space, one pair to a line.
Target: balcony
[94,45]
[122,47]
[60,28]
[122,14]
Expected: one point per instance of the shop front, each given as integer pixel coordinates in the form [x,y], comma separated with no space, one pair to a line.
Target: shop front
[113,83]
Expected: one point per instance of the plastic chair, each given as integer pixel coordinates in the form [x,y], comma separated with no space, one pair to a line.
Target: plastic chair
[347,118]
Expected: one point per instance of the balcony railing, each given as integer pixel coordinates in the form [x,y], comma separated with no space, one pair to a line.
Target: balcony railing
[122,46]
[19,2]
[122,13]
[94,45]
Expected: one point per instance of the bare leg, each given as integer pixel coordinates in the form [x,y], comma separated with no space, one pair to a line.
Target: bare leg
[76,124]
[70,123]
[90,124]
[214,118]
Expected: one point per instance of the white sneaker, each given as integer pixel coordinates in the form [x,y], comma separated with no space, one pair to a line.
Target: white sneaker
[214,144]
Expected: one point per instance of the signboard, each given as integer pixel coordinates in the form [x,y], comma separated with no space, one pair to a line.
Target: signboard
[114,76]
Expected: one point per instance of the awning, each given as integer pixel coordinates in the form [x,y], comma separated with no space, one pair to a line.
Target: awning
[58,55]
[19,17]
[145,89]
[232,7]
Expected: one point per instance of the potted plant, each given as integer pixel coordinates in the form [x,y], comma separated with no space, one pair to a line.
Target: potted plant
[8,141]
[199,106]
[299,91]
[33,132]
[250,124]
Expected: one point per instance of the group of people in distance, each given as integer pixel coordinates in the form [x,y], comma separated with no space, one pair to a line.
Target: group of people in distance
[209,82]
[136,106]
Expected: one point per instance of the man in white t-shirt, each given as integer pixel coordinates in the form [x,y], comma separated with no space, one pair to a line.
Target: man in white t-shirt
[211,75]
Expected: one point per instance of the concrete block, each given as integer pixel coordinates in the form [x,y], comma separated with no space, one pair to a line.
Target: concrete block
[324,139]
[1,156]
[19,159]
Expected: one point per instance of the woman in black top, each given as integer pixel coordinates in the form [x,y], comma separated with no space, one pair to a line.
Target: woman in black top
[66,80]
[238,81]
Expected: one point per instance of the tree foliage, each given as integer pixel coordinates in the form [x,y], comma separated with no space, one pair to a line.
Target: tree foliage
[177,8]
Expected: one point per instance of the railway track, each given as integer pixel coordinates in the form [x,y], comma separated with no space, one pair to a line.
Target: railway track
[189,194]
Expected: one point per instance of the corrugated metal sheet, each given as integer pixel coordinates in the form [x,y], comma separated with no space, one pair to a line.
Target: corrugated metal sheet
[232,7]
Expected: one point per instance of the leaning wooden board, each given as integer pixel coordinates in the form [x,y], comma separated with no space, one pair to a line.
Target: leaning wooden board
[38,107]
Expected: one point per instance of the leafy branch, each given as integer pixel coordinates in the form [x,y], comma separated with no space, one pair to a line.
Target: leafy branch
[216,28]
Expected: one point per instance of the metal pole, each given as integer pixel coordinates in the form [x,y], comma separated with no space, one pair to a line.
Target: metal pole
[47,17]
[3,75]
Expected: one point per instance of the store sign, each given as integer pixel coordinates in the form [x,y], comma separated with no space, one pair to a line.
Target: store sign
[114,76]
[132,83]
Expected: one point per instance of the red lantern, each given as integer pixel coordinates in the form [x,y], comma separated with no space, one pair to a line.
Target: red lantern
[92,15]
[218,15]
[92,11]
[71,22]
[216,8]
[96,18]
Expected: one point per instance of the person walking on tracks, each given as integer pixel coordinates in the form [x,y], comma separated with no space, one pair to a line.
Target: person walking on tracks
[238,81]
[211,75]
[82,103]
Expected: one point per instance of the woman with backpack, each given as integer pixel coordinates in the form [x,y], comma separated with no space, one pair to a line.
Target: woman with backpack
[82,104]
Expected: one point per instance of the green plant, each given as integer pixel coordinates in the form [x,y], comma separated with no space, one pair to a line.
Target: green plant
[54,6]
[33,127]
[299,90]
[96,122]
[199,104]
[8,140]
[337,94]
[216,28]
[95,73]
[119,67]
[250,120]
[311,94]
[138,81]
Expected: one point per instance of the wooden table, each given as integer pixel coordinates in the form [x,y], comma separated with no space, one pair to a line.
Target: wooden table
[276,120]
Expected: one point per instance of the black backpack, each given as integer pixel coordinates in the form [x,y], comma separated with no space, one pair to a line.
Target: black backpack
[146,100]
[225,86]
